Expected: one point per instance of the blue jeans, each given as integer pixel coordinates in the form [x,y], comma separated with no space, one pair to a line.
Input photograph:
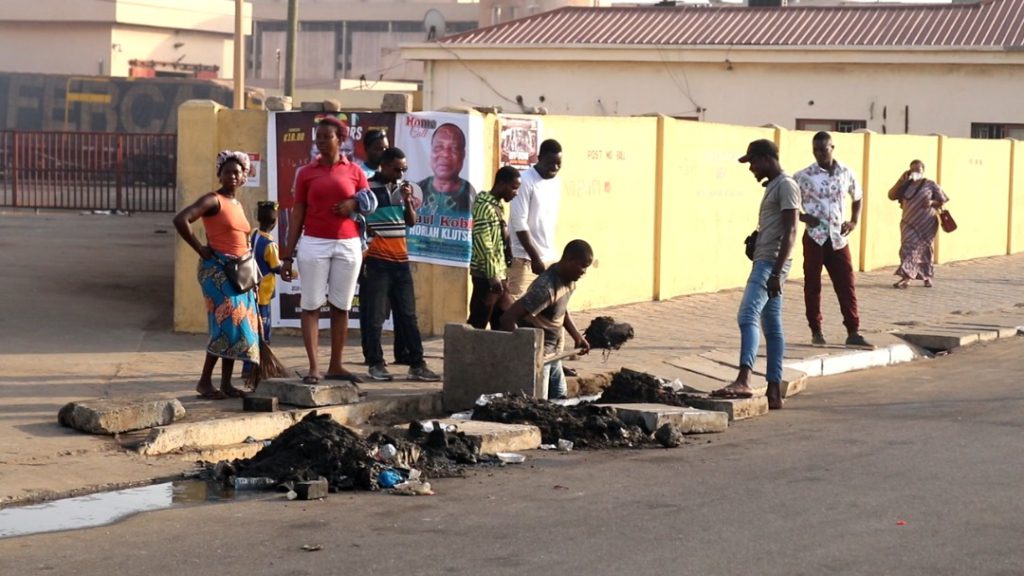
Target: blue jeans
[556,379]
[759,312]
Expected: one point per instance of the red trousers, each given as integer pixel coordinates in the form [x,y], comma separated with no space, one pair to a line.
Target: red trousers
[840,270]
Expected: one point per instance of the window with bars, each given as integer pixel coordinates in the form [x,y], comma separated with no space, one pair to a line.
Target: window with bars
[816,125]
[997,131]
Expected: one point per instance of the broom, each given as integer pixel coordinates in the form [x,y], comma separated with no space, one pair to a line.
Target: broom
[270,366]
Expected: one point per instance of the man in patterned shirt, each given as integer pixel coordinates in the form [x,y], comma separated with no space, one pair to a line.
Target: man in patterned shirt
[487,268]
[822,186]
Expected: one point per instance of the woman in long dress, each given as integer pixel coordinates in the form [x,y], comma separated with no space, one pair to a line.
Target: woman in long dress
[921,200]
[233,315]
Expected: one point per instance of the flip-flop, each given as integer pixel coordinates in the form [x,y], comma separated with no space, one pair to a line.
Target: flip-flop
[346,377]
[233,393]
[728,393]
[310,379]
[213,395]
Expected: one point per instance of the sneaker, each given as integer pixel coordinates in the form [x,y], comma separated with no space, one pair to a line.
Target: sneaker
[423,374]
[817,338]
[380,373]
[858,341]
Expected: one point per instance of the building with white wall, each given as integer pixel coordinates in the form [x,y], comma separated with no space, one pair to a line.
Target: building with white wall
[955,69]
[184,38]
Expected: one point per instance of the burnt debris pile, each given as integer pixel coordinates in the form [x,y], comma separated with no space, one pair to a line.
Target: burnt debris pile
[586,425]
[317,446]
[632,387]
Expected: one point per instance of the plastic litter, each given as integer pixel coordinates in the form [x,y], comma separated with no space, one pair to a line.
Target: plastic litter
[412,488]
[510,457]
[389,478]
[387,453]
[467,415]
[485,399]
[428,427]
[256,483]
[565,445]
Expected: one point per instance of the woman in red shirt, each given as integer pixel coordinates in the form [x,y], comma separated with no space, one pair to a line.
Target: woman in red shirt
[331,253]
[233,316]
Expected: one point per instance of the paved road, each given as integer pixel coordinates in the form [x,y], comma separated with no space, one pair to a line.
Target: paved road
[819,488]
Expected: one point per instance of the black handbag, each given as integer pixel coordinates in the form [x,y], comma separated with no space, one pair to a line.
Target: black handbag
[751,244]
[242,272]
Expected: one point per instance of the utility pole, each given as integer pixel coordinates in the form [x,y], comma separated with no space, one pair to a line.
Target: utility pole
[290,48]
[239,57]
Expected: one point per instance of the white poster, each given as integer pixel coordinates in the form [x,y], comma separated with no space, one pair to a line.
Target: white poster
[444,153]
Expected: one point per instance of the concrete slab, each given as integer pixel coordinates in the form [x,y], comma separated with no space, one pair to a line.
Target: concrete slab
[900,353]
[760,367]
[739,409]
[293,392]
[793,381]
[700,365]
[495,437]
[809,366]
[687,419]
[1001,331]
[938,339]
[854,360]
[488,361]
[113,416]
[209,434]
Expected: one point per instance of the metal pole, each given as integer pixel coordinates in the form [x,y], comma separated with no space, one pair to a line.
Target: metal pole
[290,48]
[239,57]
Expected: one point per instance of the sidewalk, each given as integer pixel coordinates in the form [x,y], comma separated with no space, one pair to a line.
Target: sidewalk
[87,313]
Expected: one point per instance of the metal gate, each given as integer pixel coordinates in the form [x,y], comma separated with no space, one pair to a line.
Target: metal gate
[88,170]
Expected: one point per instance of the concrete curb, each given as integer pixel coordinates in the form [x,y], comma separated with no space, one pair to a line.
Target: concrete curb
[204,436]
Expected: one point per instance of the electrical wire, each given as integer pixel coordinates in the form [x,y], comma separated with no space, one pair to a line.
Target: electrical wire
[474,73]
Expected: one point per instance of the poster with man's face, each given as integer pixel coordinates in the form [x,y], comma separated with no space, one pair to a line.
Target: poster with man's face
[445,159]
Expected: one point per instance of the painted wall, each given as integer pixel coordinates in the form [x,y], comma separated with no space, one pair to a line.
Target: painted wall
[664,202]
[193,47]
[975,174]
[709,203]
[889,156]
[892,98]
[1016,240]
[30,47]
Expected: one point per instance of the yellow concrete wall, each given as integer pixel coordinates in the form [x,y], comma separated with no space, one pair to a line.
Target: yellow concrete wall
[975,174]
[710,203]
[1015,242]
[663,202]
[204,129]
[890,156]
[608,191]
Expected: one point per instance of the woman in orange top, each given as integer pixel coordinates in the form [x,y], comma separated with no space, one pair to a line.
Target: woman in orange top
[233,317]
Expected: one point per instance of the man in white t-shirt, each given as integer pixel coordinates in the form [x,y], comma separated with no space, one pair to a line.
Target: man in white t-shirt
[532,219]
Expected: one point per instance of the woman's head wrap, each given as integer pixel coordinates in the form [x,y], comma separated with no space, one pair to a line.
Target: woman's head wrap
[226,155]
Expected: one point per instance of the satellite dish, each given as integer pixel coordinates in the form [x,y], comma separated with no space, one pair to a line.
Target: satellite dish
[434,24]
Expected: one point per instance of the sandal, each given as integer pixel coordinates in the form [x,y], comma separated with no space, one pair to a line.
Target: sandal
[211,395]
[348,377]
[732,393]
[310,379]
[902,284]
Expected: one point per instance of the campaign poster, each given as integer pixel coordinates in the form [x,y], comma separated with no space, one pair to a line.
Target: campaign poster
[291,143]
[444,153]
[518,141]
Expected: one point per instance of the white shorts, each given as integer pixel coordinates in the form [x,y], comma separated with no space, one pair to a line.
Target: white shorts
[328,271]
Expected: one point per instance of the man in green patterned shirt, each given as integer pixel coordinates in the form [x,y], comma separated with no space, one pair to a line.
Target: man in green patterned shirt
[487,266]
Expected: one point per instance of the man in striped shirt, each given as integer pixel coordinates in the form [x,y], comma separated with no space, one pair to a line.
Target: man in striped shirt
[487,267]
[388,277]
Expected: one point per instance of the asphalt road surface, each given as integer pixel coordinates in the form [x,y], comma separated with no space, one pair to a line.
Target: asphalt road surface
[910,470]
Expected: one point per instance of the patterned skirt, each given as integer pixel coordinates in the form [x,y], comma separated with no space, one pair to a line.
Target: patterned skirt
[233,317]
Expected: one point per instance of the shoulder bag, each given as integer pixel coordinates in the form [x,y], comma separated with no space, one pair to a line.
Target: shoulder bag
[242,272]
[751,244]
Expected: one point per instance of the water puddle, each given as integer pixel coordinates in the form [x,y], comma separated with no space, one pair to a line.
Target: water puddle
[105,508]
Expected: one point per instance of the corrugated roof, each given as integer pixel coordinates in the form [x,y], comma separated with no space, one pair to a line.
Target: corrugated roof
[992,24]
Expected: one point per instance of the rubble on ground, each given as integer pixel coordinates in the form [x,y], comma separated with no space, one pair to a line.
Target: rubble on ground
[632,387]
[586,425]
[317,446]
